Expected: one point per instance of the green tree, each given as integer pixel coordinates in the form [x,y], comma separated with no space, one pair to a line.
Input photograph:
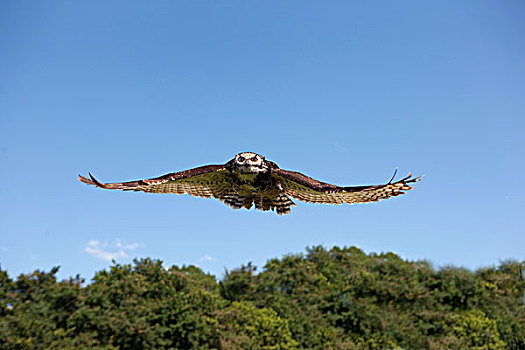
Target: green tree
[243,326]
[339,298]
[473,330]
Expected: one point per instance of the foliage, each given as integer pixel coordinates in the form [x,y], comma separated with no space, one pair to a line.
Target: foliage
[340,298]
[244,326]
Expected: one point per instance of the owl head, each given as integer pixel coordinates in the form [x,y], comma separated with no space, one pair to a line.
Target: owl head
[249,162]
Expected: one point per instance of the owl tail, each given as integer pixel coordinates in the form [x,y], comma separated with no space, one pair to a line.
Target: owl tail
[281,203]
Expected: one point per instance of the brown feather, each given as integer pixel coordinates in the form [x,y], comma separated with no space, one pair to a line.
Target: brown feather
[306,189]
[270,190]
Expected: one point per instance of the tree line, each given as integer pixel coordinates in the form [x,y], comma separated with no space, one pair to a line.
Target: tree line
[339,298]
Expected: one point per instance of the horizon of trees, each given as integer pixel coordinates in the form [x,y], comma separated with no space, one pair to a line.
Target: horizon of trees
[338,298]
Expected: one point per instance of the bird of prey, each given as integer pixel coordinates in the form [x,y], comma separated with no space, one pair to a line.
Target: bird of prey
[250,180]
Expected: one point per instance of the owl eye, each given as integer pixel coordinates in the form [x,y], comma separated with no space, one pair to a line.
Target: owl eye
[240,159]
[254,159]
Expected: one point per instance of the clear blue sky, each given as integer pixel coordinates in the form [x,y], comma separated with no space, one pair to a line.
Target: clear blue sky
[341,91]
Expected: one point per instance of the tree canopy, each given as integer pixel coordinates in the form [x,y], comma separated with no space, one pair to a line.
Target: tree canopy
[339,298]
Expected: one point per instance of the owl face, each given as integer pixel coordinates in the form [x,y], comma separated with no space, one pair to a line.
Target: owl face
[249,162]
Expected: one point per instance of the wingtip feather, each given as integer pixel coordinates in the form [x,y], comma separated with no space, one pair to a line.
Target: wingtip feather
[84,180]
[408,179]
[93,181]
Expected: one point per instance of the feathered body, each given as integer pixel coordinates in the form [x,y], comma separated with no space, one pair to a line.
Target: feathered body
[250,180]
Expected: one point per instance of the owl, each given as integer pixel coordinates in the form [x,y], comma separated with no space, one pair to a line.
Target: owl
[249,180]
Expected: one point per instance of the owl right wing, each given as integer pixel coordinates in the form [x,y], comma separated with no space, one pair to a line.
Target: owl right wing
[306,189]
[205,181]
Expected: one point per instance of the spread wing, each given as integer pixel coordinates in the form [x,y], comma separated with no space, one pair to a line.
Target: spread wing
[306,189]
[205,181]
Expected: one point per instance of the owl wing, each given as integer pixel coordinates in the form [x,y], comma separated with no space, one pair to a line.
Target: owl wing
[306,189]
[205,181]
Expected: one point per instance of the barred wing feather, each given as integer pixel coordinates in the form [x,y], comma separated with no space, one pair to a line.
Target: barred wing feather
[306,189]
[206,181]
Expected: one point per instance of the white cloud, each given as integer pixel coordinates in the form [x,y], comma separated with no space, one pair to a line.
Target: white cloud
[108,252]
[132,246]
[339,146]
[206,257]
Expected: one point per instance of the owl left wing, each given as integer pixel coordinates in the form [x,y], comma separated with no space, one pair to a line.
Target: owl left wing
[306,189]
[205,181]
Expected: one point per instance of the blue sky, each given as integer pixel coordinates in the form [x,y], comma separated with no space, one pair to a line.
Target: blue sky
[343,92]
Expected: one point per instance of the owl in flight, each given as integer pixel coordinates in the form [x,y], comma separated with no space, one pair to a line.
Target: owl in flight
[249,179]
